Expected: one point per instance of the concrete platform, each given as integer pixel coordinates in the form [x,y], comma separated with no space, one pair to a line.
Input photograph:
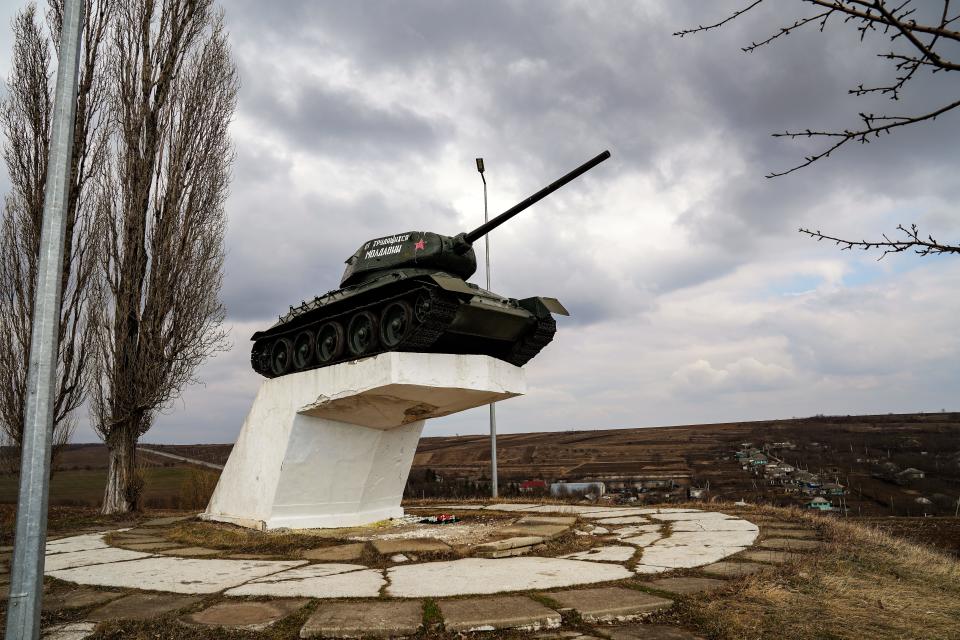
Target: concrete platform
[332,447]
[502,612]
[733,569]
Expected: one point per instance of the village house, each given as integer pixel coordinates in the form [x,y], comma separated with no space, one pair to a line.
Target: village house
[821,504]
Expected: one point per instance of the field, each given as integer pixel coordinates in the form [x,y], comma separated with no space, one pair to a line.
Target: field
[849,450]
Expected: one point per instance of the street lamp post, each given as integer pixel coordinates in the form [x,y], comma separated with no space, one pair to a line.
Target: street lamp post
[494,489]
[26,579]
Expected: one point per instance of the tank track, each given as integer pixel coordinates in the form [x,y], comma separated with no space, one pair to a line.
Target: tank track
[532,342]
[442,310]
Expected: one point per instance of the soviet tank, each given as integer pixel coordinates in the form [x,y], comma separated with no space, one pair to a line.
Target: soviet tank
[409,292]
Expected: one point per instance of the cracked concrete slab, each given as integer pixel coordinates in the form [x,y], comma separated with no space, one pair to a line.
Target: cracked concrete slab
[364,619]
[643,540]
[733,569]
[475,576]
[70,560]
[69,631]
[604,554]
[316,581]
[626,520]
[685,585]
[86,542]
[243,616]
[610,604]
[502,612]
[177,575]
[141,606]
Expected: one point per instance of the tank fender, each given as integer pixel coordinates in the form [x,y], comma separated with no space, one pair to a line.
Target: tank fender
[541,306]
[450,283]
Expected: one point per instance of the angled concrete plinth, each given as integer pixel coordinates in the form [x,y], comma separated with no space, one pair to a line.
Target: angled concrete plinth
[332,447]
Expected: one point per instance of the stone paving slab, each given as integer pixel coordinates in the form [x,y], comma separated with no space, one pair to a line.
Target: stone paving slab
[192,552]
[626,520]
[75,559]
[503,612]
[86,542]
[775,557]
[478,576]
[685,586]
[733,569]
[153,546]
[541,530]
[656,559]
[564,520]
[69,631]
[244,616]
[604,554]
[77,598]
[176,575]
[609,604]
[141,606]
[363,619]
[511,506]
[411,545]
[643,540]
[649,632]
[316,581]
[789,544]
[509,543]
[124,539]
[340,553]
[714,524]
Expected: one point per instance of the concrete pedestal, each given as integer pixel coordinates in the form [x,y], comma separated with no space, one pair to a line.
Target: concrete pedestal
[332,447]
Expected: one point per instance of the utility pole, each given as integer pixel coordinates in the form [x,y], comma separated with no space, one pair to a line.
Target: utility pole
[26,581]
[494,489]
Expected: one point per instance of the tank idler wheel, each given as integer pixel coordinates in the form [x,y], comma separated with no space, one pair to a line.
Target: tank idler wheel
[362,333]
[281,356]
[396,321]
[422,307]
[330,342]
[303,350]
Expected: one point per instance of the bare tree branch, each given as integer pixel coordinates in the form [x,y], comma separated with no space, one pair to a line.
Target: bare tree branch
[921,246]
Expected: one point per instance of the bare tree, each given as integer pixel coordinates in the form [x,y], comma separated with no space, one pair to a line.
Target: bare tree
[161,204]
[926,39]
[25,119]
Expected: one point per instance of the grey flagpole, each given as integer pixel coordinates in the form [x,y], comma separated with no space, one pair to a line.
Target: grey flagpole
[26,581]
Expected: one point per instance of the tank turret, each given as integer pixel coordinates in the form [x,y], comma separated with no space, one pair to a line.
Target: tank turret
[409,292]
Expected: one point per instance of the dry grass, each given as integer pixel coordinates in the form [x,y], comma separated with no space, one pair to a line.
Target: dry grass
[216,535]
[865,584]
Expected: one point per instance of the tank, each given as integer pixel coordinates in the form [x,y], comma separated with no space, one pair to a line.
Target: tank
[409,292]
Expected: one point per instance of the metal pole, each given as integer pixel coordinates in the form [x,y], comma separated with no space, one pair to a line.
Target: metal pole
[26,582]
[494,484]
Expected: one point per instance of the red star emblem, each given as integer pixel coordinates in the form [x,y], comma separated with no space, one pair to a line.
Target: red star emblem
[419,245]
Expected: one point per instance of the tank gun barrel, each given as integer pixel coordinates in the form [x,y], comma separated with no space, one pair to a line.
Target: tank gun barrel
[487,227]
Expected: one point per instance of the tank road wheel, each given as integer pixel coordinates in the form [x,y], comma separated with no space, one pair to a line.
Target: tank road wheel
[302,350]
[362,333]
[281,356]
[422,308]
[396,321]
[330,342]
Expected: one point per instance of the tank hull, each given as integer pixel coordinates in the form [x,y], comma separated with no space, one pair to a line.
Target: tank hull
[406,310]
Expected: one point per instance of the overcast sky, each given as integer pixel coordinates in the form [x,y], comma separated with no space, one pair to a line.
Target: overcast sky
[693,297]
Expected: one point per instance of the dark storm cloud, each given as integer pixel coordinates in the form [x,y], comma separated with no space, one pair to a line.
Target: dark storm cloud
[334,122]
